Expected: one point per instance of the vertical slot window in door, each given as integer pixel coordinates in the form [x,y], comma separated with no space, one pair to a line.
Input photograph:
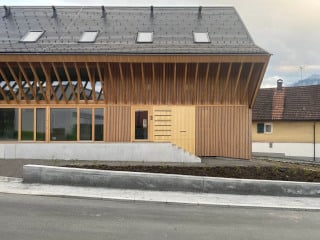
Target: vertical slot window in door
[141,125]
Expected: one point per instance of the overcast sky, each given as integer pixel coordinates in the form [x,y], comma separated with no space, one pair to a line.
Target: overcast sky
[288,29]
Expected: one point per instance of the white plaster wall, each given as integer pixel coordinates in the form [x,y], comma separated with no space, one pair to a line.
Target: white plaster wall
[288,149]
[149,152]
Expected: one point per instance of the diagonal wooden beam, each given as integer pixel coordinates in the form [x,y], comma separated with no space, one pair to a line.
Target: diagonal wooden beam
[49,87]
[213,86]
[122,83]
[59,82]
[144,90]
[31,86]
[114,96]
[4,95]
[8,84]
[17,80]
[81,87]
[237,81]
[92,83]
[205,93]
[195,85]
[154,88]
[70,82]
[264,68]
[224,93]
[103,83]
[245,92]
[185,83]
[133,84]
[36,77]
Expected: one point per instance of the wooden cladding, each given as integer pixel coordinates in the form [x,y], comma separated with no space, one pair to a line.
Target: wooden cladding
[223,131]
[130,83]
[118,122]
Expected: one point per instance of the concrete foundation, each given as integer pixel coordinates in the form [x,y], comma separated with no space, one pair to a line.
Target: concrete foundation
[147,152]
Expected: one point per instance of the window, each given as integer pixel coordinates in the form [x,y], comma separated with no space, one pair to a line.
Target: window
[9,124]
[201,37]
[89,36]
[63,124]
[145,37]
[32,36]
[86,124]
[264,128]
[98,124]
[27,123]
[41,124]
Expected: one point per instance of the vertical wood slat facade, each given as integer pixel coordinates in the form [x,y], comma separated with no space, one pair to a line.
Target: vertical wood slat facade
[223,131]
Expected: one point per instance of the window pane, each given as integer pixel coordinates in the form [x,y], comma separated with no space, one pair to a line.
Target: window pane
[41,124]
[27,123]
[31,36]
[86,124]
[9,124]
[145,37]
[63,124]
[268,128]
[98,126]
[260,128]
[201,37]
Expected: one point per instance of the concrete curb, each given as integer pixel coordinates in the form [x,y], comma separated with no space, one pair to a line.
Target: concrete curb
[165,182]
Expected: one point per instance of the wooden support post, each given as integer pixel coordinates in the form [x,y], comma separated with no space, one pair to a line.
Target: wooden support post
[133,84]
[245,91]
[237,81]
[9,86]
[92,83]
[205,93]
[28,82]
[103,83]
[36,77]
[21,90]
[79,80]
[70,82]
[59,82]
[114,96]
[225,93]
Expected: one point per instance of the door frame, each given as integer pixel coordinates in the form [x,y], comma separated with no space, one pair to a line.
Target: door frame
[150,122]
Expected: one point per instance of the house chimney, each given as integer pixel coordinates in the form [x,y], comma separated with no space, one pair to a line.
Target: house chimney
[279,84]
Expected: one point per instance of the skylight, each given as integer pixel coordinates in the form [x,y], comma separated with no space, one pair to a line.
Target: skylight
[31,36]
[201,37]
[145,37]
[89,36]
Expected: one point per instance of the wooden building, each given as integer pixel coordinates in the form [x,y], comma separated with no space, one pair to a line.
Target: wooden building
[286,122]
[184,75]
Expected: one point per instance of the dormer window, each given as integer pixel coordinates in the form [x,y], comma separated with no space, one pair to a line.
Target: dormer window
[145,37]
[89,36]
[32,36]
[201,37]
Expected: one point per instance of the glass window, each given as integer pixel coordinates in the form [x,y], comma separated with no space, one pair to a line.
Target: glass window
[201,37]
[268,128]
[260,128]
[41,124]
[98,124]
[89,36]
[86,124]
[31,36]
[27,124]
[9,124]
[145,37]
[63,124]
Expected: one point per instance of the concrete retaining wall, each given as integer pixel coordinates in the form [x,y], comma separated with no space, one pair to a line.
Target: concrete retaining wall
[165,182]
[148,152]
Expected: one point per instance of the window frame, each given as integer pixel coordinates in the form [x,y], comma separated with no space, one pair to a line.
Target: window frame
[89,41]
[265,124]
[25,36]
[198,41]
[144,32]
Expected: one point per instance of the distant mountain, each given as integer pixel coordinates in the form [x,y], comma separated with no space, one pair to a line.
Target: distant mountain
[312,80]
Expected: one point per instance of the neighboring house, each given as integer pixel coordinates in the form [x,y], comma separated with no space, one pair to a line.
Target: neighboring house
[96,76]
[286,122]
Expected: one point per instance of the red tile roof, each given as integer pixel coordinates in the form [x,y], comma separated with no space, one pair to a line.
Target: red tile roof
[289,103]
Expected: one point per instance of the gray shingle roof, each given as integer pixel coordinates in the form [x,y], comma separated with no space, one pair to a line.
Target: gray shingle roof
[172,27]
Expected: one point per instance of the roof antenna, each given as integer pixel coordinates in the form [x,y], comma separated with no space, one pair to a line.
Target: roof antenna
[151,10]
[104,13]
[7,11]
[54,14]
[199,12]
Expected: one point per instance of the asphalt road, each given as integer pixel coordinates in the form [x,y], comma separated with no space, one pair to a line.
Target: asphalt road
[33,217]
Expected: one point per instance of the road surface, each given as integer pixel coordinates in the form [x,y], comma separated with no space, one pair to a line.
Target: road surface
[35,217]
